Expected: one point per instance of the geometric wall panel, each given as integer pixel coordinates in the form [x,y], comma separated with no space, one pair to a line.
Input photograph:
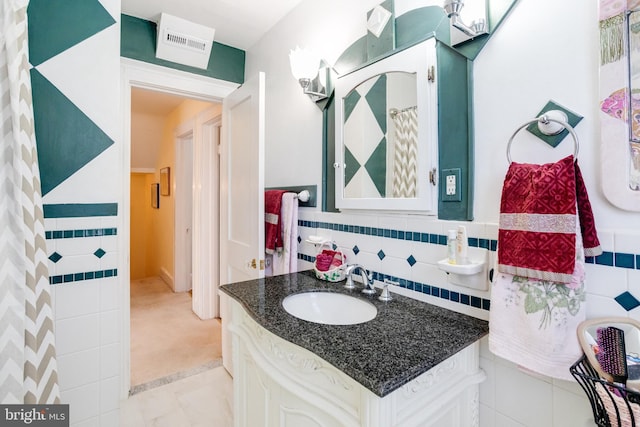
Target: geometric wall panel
[57,25]
[66,138]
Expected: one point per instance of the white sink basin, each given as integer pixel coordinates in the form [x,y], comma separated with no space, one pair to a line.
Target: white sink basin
[329,308]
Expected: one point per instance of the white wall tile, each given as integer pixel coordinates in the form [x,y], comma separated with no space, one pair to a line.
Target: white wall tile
[599,306]
[627,242]
[487,416]
[605,281]
[79,368]
[110,293]
[83,402]
[77,264]
[110,327]
[109,243]
[488,386]
[77,299]
[570,409]
[110,419]
[504,421]
[109,394]
[397,267]
[109,361]
[607,240]
[77,334]
[523,398]
[78,246]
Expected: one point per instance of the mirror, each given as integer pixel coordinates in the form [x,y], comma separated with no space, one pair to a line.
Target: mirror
[602,338]
[619,101]
[634,101]
[386,133]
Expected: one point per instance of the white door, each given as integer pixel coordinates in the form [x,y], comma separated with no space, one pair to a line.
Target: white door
[183,211]
[242,183]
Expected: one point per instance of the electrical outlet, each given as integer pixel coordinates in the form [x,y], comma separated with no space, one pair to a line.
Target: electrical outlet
[450,191]
[450,185]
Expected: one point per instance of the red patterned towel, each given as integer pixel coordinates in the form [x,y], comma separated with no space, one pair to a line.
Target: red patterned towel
[272,226]
[538,212]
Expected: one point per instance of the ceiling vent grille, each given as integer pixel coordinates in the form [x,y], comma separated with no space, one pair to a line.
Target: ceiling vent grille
[184,42]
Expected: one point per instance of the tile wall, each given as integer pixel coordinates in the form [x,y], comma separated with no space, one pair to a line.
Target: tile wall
[406,248]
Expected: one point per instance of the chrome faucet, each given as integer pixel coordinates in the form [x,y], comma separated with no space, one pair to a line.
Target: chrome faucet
[367,279]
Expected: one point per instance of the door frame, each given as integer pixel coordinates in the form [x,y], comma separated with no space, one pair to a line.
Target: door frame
[139,74]
[204,131]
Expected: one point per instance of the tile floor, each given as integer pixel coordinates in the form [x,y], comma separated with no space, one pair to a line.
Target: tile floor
[205,399]
[166,336]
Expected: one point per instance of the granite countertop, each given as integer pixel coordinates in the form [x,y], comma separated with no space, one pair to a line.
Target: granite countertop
[407,337]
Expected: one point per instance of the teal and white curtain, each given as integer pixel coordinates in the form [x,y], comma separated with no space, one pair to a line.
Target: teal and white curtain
[28,372]
[405,162]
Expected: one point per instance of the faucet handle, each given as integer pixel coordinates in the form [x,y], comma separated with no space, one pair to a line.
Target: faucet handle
[386,295]
[349,283]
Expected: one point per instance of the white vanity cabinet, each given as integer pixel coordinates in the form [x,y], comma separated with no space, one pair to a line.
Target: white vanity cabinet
[278,383]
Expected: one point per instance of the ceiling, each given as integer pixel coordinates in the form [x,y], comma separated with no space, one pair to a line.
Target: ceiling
[153,103]
[238,23]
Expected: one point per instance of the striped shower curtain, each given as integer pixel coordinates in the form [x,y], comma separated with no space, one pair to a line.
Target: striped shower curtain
[405,162]
[28,372]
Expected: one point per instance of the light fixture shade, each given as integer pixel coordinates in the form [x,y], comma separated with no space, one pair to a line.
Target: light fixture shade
[304,63]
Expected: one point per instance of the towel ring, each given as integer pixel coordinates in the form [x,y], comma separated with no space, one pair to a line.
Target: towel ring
[545,119]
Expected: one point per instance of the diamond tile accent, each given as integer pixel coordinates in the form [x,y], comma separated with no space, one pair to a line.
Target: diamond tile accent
[381,255]
[411,260]
[55,257]
[99,253]
[356,249]
[627,301]
[299,239]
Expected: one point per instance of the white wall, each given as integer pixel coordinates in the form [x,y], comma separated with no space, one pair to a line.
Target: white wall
[545,50]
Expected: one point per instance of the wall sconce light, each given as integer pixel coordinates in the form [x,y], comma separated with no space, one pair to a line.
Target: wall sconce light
[312,73]
[465,32]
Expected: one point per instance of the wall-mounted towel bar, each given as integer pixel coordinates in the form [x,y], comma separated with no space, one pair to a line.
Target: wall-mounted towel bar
[310,191]
[303,196]
[545,120]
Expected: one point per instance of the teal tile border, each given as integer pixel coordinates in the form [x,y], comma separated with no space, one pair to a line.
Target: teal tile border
[77,210]
[606,259]
[80,277]
[446,294]
[74,234]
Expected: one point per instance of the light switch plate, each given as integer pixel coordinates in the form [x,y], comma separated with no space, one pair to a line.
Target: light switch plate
[450,185]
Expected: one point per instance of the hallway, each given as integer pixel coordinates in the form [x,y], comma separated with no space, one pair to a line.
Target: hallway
[168,341]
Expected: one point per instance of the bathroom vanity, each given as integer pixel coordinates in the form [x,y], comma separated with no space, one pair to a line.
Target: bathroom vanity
[413,364]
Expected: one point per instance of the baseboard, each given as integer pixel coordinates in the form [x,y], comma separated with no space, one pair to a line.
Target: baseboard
[167,278]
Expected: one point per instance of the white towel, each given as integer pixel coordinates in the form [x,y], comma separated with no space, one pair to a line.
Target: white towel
[533,323]
[286,260]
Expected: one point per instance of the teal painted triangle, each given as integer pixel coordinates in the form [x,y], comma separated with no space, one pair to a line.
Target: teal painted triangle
[351,166]
[66,138]
[56,25]
[377,100]
[376,167]
[350,102]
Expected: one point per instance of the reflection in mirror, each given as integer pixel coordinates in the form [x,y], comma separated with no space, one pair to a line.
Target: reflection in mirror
[612,346]
[381,137]
[634,101]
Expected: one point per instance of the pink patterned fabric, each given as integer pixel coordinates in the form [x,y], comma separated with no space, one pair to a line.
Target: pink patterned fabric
[609,8]
[538,219]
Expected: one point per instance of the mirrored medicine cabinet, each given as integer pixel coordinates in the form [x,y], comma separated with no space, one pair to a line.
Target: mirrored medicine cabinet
[387,133]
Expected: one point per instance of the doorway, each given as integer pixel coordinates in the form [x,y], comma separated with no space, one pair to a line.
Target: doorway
[168,340]
[137,75]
